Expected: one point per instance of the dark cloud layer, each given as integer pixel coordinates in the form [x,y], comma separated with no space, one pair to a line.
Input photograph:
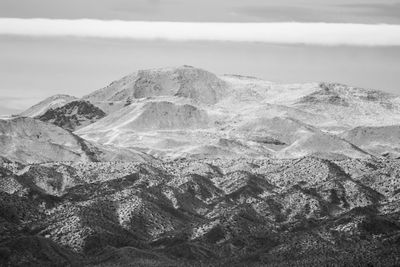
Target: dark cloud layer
[351,11]
[391,11]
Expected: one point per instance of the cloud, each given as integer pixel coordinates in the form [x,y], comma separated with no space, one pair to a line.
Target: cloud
[277,33]
[376,9]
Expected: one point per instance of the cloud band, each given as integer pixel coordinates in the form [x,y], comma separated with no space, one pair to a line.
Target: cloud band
[277,33]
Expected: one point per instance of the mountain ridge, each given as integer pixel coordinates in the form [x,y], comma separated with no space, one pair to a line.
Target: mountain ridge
[224,105]
[54,101]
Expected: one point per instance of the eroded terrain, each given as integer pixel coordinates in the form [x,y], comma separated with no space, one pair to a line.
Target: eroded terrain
[307,211]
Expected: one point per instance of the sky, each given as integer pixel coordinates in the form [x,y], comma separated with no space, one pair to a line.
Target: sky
[74,47]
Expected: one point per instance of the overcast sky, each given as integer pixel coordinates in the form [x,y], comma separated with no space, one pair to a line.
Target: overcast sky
[46,57]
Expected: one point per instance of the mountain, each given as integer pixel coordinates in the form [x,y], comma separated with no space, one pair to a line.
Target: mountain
[26,139]
[273,212]
[190,112]
[73,115]
[377,140]
[186,81]
[252,118]
[345,107]
[51,102]
[182,167]
[31,140]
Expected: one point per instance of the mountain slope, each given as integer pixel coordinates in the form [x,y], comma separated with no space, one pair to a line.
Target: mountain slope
[187,111]
[153,115]
[49,103]
[268,212]
[193,83]
[376,140]
[74,115]
[345,107]
[25,139]
[31,140]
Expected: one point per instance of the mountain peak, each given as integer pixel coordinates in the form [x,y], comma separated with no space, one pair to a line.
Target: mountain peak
[54,101]
[183,81]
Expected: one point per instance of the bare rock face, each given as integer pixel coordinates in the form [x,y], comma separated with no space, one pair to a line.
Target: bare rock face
[74,115]
[189,82]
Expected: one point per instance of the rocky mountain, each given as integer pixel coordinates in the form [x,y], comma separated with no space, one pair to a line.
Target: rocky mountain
[49,103]
[347,107]
[307,211]
[30,140]
[73,115]
[187,111]
[182,167]
[190,112]
[185,81]
[247,118]
[379,140]
[26,139]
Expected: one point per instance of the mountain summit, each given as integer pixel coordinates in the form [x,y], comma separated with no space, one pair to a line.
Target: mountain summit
[186,81]
[187,111]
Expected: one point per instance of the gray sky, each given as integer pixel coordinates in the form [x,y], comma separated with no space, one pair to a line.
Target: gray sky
[33,68]
[355,11]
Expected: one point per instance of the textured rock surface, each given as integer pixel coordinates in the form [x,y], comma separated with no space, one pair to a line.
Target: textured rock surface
[49,103]
[306,211]
[31,140]
[74,115]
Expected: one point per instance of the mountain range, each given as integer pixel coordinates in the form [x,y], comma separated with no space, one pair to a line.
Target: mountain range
[183,167]
[190,112]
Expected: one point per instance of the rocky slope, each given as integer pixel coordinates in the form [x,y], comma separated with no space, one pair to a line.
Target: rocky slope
[190,112]
[250,117]
[185,81]
[26,139]
[307,211]
[74,115]
[347,107]
[49,103]
[383,140]
[31,140]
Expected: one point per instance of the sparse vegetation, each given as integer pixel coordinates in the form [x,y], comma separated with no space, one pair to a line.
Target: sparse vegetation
[308,211]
